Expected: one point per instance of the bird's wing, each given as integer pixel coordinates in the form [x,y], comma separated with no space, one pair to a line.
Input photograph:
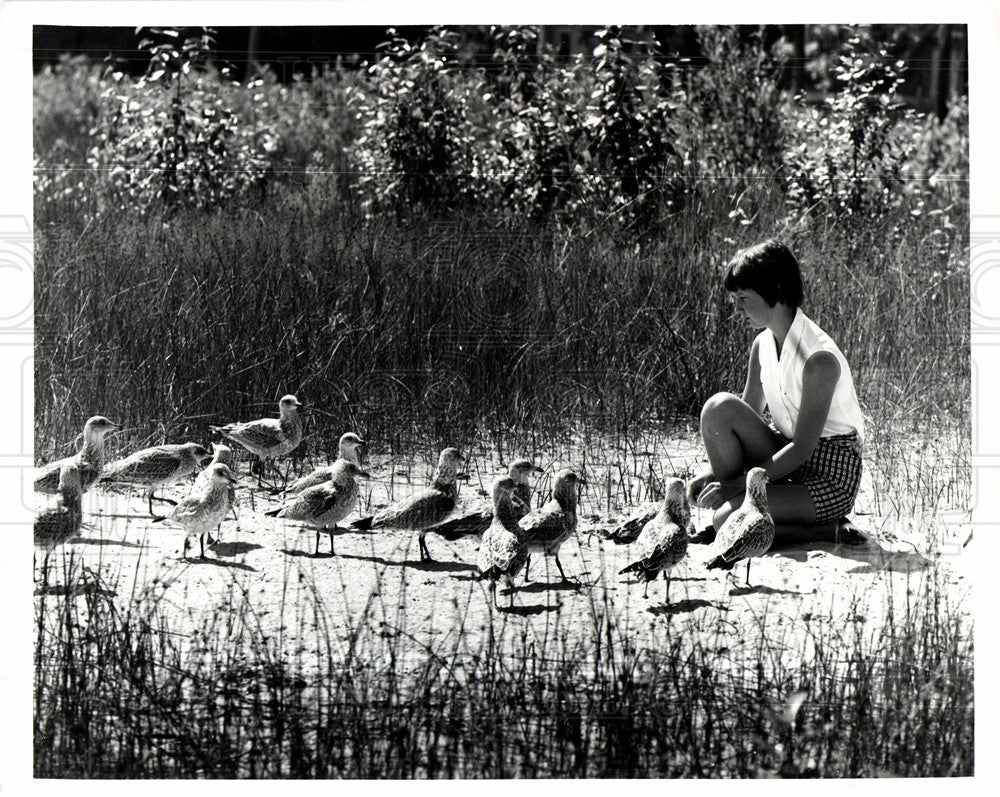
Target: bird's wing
[755,537]
[419,511]
[469,521]
[318,476]
[47,476]
[265,433]
[630,530]
[154,464]
[502,549]
[544,524]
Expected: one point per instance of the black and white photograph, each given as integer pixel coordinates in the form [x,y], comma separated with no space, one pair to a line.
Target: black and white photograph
[415,399]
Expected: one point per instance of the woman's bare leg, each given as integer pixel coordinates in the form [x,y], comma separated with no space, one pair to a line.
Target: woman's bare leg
[736,438]
[789,504]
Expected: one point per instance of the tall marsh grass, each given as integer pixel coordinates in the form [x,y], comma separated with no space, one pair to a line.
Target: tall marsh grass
[118,695]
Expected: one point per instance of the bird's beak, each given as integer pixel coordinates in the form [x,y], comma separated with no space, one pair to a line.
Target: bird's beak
[364,474]
[463,476]
[538,469]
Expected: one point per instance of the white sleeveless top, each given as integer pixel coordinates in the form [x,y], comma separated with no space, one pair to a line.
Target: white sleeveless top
[782,379]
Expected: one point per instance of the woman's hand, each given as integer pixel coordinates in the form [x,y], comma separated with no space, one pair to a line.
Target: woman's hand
[715,494]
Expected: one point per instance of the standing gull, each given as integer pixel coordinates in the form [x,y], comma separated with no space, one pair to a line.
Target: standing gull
[155,467]
[473,521]
[629,530]
[424,508]
[323,506]
[546,529]
[747,532]
[205,506]
[88,460]
[348,452]
[268,438]
[664,539]
[60,520]
[502,552]
[221,453]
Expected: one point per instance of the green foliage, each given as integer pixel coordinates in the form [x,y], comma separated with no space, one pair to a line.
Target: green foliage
[846,159]
[632,160]
[532,164]
[171,140]
[734,128]
[416,141]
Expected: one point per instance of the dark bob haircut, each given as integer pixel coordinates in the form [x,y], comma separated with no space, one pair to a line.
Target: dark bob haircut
[768,268]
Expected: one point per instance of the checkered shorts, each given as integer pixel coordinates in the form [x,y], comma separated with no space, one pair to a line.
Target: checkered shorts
[832,474]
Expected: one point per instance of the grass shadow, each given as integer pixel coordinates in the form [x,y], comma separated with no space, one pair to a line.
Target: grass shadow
[75,590]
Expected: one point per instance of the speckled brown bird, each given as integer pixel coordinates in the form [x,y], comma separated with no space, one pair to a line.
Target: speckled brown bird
[664,539]
[502,552]
[424,508]
[323,506]
[268,438]
[546,529]
[89,460]
[156,467]
[348,451]
[747,532]
[60,519]
[474,520]
[205,506]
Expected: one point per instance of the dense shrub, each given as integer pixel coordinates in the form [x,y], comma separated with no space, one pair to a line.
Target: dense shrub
[416,143]
[846,158]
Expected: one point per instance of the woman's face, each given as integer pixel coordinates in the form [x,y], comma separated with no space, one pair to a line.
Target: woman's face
[752,305]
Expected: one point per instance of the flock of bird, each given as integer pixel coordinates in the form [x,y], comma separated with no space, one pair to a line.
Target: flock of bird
[509,529]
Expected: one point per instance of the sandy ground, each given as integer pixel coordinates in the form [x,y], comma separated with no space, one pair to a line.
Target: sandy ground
[264,571]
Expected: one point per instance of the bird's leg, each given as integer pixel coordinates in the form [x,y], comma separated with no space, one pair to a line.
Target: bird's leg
[527,564]
[493,591]
[645,588]
[425,554]
[748,572]
[560,569]
[331,533]
[201,541]
[511,594]
[184,553]
[666,589]
[317,543]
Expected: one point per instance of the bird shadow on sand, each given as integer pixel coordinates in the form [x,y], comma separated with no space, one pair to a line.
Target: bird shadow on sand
[233,548]
[529,610]
[549,586]
[679,607]
[762,589]
[101,541]
[310,554]
[218,563]
[433,566]
[870,558]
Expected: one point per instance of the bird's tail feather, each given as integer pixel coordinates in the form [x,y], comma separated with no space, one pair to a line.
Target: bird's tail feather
[635,567]
[273,512]
[720,563]
[363,523]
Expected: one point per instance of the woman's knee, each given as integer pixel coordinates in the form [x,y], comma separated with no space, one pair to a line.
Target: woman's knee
[720,407]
